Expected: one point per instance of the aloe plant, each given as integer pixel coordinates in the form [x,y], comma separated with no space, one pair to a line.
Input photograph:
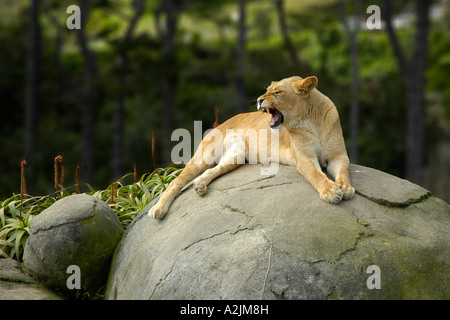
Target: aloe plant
[124,197]
[15,229]
[16,215]
[127,200]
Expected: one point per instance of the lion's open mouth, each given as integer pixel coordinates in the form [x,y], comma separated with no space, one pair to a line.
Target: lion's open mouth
[277,117]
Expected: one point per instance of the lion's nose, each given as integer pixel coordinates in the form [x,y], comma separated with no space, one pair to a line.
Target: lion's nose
[260,101]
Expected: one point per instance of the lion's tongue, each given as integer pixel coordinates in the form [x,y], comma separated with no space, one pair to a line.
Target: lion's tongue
[275,118]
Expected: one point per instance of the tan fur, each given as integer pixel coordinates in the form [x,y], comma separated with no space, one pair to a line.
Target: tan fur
[310,138]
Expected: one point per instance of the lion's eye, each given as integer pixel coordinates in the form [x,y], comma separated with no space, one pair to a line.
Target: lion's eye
[278,92]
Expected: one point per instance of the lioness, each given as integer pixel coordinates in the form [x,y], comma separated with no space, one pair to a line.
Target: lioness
[310,137]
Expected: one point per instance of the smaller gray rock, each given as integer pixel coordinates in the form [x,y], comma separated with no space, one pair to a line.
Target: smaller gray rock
[15,285]
[77,230]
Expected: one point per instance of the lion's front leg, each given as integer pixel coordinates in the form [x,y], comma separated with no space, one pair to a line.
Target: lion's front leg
[191,171]
[159,210]
[339,169]
[328,190]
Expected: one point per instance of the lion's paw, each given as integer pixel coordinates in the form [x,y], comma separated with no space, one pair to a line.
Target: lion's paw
[200,188]
[157,212]
[347,190]
[332,193]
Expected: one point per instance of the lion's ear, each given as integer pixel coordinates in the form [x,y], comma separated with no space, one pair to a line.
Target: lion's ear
[304,86]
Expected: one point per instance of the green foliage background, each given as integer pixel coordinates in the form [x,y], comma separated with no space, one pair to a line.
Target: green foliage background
[205,55]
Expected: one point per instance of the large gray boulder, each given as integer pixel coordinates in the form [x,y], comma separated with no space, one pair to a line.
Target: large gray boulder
[78,230]
[272,237]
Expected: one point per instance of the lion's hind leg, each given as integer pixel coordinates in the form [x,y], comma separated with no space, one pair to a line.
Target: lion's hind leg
[202,182]
[233,156]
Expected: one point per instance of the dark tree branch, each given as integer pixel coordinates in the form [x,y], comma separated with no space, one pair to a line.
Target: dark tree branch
[398,52]
[138,9]
[279,4]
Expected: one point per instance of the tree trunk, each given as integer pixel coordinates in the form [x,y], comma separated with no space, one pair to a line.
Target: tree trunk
[413,73]
[87,99]
[352,32]
[167,37]
[240,71]
[416,97]
[354,103]
[415,135]
[32,80]
[118,120]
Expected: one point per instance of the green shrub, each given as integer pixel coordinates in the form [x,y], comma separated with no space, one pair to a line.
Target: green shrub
[125,197]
